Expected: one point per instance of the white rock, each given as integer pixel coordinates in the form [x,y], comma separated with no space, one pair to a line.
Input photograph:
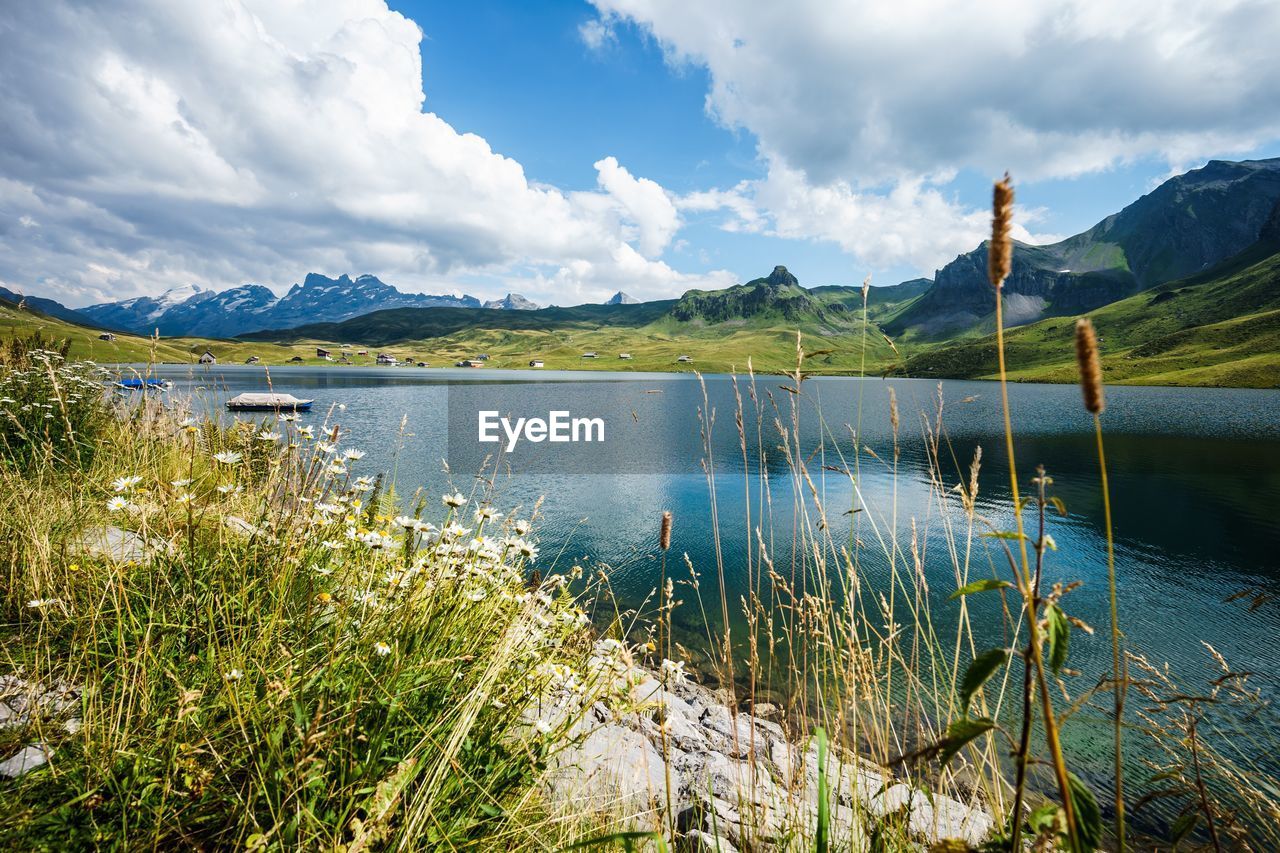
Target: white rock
[24,761]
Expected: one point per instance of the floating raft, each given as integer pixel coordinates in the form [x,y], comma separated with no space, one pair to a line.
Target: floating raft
[138,384]
[268,403]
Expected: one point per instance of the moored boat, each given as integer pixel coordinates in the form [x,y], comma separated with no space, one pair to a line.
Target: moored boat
[135,383]
[253,402]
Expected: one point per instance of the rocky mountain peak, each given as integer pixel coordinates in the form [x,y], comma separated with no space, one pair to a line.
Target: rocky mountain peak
[780,277]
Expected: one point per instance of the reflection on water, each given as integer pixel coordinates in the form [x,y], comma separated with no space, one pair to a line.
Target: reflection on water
[1195,476]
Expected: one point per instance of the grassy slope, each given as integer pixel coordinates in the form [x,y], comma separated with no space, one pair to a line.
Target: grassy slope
[133,348]
[1218,328]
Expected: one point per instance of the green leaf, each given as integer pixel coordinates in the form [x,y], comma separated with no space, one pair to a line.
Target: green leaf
[1058,505]
[1088,815]
[1182,826]
[1059,637]
[961,732]
[1046,820]
[1006,534]
[983,585]
[980,669]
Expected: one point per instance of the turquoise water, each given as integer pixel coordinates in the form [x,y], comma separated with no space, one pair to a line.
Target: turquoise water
[1195,477]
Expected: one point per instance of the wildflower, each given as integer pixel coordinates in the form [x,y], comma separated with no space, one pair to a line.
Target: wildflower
[117,504]
[477,595]
[543,727]
[521,527]
[336,469]
[376,540]
[180,484]
[454,530]
[381,649]
[125,484]
[233,675]
[454,500]
[268,435]
[185,499]
[673,672]
[330,545]
[306,432]
[227,457]
[286,417]
[324,598]
[408,522]
[363,484]
[353,454]
[486,513]
[41,603]
[325,447]
[229,489]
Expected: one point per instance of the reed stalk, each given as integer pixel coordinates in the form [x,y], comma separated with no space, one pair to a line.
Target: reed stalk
[1000,260]
[1095,403]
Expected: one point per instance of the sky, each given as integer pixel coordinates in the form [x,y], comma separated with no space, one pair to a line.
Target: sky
[566,150]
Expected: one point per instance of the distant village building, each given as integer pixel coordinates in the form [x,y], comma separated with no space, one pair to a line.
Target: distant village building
[537,362]
[484,356]
[684,359]
[106,336]
[208,358]
[296,358]
[362,352]
[624,355]
[253,359]
[470,362]
[424,364]
[323,353]
[589,355]
[383,358]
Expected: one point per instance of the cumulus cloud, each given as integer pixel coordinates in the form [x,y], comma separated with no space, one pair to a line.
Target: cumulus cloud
[872,90]
[149,144]
[865,110]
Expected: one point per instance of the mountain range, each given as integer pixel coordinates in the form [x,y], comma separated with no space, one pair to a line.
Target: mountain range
[1195,256]
[250,307]
[1186,225]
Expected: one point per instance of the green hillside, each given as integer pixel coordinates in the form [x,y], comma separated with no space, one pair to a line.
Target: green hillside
[128,349]
[1221,327]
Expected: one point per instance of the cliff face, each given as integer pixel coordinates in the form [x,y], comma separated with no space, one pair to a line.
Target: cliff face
[1185,225]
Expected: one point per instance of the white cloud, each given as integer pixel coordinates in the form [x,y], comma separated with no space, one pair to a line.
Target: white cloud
[158,144]
[865,110]
[871,91]
[912,225]
[596,34]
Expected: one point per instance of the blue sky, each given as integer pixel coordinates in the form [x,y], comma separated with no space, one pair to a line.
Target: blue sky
[519,74]
[566,150]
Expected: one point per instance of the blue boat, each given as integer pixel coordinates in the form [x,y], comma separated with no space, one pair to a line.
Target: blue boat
[134,383]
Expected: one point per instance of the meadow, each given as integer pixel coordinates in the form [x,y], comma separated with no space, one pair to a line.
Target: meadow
[229,635]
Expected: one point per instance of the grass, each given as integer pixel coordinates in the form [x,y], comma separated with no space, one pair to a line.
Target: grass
[1221,328]
[277,663]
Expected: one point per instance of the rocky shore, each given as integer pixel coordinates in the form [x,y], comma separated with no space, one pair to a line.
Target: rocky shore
[734,780]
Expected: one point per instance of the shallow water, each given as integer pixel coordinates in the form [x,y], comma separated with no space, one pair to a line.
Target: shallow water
[1195,478]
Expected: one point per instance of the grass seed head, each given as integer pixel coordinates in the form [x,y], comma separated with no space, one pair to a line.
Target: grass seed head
[1000,252]
[1090,367]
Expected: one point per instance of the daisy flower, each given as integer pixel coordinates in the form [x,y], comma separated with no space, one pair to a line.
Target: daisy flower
[454,500]
[117,504]
[381,649]
[227,457]
[125,484]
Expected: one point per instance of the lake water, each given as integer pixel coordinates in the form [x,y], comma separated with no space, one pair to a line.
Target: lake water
[1195,478]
